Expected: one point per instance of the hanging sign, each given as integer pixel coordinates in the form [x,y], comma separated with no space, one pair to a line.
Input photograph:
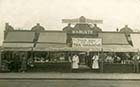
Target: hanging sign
[87,42]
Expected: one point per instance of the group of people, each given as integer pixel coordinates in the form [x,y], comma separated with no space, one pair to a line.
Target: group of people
[19,63]
[109,59]
[94,59]
[123,58]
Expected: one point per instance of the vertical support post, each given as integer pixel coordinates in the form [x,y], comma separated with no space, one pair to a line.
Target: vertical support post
[31,52]
[102,61]
[0,58]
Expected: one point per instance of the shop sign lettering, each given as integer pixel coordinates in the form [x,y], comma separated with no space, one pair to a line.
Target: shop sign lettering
[86,42]
[82,32]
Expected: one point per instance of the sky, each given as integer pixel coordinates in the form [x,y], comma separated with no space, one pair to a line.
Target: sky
[24,14]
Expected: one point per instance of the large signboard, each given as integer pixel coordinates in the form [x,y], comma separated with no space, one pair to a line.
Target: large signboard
[87,42]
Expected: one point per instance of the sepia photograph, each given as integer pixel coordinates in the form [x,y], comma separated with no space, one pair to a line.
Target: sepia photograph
[69,43]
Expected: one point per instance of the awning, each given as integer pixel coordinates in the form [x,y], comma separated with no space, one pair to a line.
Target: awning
[50,47]
[17,49]
[66,49]
[17,46]
[85,49]
[105,48]
[61,47]
[119,48]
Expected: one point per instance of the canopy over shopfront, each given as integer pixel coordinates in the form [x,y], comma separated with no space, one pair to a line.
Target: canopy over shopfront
[118,48]
[19,41]
[115,42]
[66,49]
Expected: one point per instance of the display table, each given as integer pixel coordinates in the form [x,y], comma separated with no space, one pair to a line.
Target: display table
[118,68]
[52,66]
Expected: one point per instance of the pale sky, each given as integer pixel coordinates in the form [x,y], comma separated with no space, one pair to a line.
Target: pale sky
[26,13]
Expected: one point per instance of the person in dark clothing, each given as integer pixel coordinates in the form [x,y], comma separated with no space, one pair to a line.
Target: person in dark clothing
[136,59]
[23,64]
[16,63]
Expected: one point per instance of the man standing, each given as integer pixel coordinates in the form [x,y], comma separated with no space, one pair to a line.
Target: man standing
[136,59]
[23,63]
[75,62]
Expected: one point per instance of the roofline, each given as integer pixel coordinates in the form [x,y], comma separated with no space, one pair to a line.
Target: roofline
[18,42]
[20,31]
[52,31]
[134,32]
[34,31]
[111,32]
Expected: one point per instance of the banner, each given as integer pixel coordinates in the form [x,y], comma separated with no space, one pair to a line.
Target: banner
[87,42]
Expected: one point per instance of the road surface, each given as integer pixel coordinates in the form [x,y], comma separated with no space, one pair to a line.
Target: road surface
[69,83]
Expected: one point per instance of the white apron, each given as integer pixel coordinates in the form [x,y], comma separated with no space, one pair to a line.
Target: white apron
[75,61]
[95,64]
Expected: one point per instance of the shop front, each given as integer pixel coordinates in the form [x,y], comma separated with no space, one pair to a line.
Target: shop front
[119,59]
[107,52]
[51,52]
[117,53]
[17,50]
[51,60]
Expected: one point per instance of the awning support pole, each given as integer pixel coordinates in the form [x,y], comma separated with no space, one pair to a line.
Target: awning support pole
[32,53]
[0,58]
[102,61]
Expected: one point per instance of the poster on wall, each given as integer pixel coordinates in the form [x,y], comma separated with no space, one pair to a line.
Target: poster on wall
[87,42]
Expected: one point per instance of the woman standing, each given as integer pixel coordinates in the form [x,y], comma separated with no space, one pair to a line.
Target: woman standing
[75,62]
[95,63]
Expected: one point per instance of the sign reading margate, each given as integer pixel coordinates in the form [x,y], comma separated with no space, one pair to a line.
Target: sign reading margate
[82,32]
[87,42]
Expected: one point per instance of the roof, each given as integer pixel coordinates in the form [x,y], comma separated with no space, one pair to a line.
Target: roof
[20,36]
[113,38]
[52,37]
[19,41]
[135,37]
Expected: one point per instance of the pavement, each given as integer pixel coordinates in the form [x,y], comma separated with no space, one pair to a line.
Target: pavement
[70,76]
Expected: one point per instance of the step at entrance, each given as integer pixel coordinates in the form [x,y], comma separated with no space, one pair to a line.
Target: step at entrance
[85,68]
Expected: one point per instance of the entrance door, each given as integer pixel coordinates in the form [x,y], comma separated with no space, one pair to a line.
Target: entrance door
[82,58]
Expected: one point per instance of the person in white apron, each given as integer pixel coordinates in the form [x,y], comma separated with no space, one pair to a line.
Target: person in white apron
[95,63]
[75,62]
